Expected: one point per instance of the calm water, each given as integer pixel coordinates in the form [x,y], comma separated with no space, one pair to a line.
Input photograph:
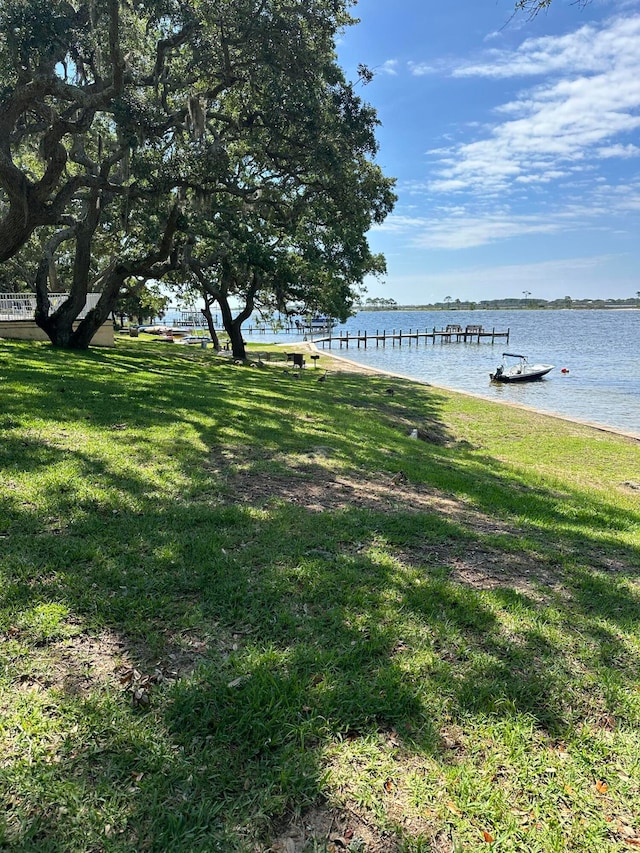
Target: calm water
[600,349]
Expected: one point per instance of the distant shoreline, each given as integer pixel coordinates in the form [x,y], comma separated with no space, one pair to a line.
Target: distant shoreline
[508,305]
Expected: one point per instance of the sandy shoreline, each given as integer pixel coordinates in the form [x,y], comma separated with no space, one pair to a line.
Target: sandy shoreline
[356,367]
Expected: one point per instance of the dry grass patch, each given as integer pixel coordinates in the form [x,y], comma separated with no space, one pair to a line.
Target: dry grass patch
[312,483]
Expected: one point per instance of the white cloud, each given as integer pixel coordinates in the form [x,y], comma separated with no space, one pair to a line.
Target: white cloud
[619,151]
[389,67]
[421,69]
[542,178]
[468,232]
[455,229]
[605,208]
[590,100]
[533,273]
[589,49]
[399,224]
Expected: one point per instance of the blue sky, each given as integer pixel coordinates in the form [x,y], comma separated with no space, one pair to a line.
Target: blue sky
[515,144]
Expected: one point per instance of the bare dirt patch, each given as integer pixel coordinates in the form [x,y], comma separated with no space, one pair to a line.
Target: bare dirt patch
[311,483]
[187,649]
[80,664]
[350,825]
[336,830]
[77,664]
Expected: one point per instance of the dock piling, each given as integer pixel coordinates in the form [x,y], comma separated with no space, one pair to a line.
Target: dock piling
[471,334]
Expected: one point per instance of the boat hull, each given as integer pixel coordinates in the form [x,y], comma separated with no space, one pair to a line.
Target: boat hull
[530,374]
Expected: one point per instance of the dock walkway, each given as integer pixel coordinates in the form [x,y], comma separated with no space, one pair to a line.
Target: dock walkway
[450,334]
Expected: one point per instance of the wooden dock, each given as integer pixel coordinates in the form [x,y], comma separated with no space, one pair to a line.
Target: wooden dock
[450,334]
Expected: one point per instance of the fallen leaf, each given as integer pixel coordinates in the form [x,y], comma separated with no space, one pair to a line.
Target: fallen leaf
[140,697]
[157,677]
[487,836]
[608,722]
[127,677]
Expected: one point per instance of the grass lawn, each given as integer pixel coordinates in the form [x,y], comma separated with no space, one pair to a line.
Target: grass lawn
[244,611]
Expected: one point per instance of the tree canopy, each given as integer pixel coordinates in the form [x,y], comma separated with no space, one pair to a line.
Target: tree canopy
[295,231]
[214,141]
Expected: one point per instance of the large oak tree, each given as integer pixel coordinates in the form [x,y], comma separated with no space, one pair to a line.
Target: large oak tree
[123,124]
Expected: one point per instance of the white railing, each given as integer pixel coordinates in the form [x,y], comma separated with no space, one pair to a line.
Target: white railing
[22,306]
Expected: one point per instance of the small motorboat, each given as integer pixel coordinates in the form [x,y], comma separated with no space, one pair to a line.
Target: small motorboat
[519,371]
[316,323]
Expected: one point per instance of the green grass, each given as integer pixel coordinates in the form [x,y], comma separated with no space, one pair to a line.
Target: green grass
[233,601]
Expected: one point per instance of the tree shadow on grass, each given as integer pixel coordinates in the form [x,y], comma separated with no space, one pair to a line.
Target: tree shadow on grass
[279,629]
[326,654]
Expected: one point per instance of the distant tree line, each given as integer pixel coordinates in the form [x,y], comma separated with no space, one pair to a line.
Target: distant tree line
[505,304]
[374,305]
